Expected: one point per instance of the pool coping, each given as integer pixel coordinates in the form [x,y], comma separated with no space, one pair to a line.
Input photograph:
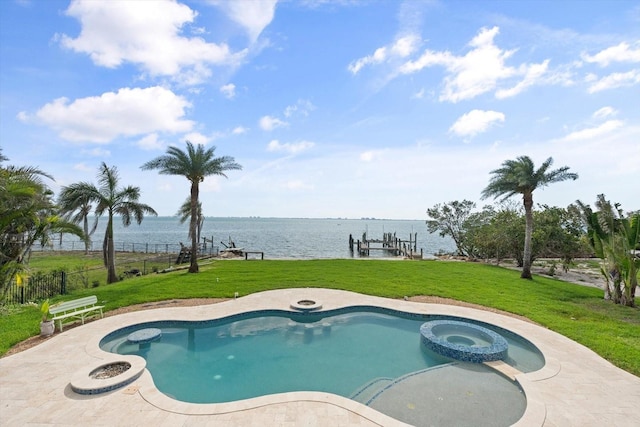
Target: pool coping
[554,393]
[534,413]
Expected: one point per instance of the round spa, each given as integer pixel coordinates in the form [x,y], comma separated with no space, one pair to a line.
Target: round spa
[463,341]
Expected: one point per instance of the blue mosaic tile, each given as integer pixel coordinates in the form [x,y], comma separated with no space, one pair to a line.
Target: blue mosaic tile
[464,346]
[100,390]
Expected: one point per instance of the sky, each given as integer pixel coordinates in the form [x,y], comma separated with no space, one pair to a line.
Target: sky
[343,109]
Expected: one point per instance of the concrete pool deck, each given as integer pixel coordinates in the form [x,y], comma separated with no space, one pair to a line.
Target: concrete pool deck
[575,388]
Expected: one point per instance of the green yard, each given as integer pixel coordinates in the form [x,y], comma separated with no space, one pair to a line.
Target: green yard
[578,312]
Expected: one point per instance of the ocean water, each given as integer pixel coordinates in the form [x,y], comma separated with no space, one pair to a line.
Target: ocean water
[276,237]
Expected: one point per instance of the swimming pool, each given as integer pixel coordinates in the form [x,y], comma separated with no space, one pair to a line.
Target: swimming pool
[344,351]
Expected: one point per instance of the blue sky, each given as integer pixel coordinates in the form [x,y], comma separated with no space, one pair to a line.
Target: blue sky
[333,108]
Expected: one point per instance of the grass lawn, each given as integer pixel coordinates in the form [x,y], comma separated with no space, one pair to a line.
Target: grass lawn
[578,312]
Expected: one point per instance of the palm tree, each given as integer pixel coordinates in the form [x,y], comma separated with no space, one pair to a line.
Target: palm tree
[615,239]
[76,206]
[520,177]
[27,215]
[194,164]
[184,213]
[114,201]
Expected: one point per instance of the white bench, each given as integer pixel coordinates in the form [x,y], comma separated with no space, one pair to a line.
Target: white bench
[76,309]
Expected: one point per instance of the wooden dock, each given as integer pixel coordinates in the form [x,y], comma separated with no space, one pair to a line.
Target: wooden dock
[389,243]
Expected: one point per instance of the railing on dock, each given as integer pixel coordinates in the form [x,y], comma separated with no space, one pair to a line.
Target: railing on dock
[389,244]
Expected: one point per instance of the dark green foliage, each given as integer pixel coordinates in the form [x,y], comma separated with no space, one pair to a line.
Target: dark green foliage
[452,219]
[615,238]
[499,233]
[28,216]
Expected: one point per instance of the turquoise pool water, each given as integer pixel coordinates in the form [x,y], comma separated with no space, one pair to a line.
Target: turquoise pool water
[263,353]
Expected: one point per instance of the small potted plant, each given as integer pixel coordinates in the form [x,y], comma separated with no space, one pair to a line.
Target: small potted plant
[47,326]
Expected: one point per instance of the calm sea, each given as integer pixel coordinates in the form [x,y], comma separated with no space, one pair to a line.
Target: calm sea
[276,237]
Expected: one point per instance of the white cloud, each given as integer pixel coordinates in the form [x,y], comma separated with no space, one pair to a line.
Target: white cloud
[604,112]
[377,57]
[197,138]
[590,77]
[479,70]
[151,142]
[239,130]
[228,90]
[475,122]
[23,117]
[128,112]
[400,48]
[419,94]
[303,107]
[532,75]
[619,53]
[405,46]
[292,148]
[593,132]
[254,16]
[145,33]
[270,123]
[614,80]
[370,155]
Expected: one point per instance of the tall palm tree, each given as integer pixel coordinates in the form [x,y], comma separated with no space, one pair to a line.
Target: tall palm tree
[195,164]
[520,177]
[76,207]
[114,201]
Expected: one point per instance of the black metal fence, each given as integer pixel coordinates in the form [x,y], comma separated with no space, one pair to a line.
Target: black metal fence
[37,287]
[205,248]
[42,285]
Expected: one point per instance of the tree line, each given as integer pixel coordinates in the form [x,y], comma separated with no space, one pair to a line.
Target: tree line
[30,213]
[524,233]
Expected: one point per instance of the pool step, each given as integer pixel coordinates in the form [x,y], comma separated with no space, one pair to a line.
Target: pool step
[367,391]
[505,369]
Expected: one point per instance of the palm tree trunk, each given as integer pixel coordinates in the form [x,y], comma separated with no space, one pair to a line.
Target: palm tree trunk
[85,224]
[193,224]
[200,224]
[110,253]
[631,282]
[528,233]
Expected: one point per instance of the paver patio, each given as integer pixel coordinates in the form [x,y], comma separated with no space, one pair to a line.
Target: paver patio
[575,388]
